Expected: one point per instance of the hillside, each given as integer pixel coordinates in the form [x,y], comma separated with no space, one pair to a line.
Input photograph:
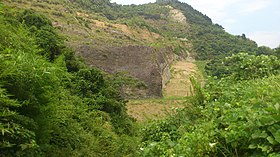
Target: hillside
[114,37]
[90,78]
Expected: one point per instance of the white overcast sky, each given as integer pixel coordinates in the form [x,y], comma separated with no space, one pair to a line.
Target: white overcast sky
[258,19]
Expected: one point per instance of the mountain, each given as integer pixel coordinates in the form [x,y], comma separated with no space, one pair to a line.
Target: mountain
[142,41]
[67,66]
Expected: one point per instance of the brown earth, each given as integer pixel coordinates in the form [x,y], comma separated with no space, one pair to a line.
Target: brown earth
[143,110]
[143,62]
[139,34]
[179,85]
[177,88]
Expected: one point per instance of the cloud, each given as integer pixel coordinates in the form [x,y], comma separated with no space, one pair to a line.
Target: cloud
[271,39]
[215,9]
[207,7]
[228,23]
[254,6]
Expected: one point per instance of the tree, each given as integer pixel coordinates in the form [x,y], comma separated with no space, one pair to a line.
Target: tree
[277,51]
[264,50]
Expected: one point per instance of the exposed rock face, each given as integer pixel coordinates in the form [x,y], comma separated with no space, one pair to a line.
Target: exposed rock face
[143,62]
[178,16]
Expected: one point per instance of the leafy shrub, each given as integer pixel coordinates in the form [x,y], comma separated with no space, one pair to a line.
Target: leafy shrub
[40,114]
[243,66]
[235,115]
[32,19]
[15,129]
[242,110]
[50,42]
[237,119]
[100,93]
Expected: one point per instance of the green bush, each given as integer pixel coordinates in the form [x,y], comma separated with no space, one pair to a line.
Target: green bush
[243,66]
[16,134]
[235,115]
[33,19]
[237,119]
[47,111]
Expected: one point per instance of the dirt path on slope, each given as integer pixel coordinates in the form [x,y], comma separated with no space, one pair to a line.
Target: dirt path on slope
[179,85]
[177,88]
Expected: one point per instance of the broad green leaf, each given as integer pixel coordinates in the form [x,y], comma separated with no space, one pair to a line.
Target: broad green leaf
[277,106]
[271,140]
[252,146]
[267,120]
[262,134]
[275,130]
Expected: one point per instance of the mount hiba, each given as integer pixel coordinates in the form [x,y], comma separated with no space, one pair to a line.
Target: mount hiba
[140,41]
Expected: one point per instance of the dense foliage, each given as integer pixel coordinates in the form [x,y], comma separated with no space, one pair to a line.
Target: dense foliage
[277,51]
[243,66]
[46,110]
[51,104]
[235,115]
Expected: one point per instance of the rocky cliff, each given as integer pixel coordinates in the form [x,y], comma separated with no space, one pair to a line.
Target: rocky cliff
[148,64]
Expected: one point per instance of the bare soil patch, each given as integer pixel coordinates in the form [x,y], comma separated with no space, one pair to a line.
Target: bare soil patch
[143,110]
[179,85]
[175,92]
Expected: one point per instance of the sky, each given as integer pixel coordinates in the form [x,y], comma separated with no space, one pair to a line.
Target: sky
[259,20]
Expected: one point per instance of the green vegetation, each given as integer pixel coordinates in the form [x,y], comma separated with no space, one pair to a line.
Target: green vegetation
[231,116]
[46,110]
[277,52]
[243,66]
[208,40]
[52,104]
